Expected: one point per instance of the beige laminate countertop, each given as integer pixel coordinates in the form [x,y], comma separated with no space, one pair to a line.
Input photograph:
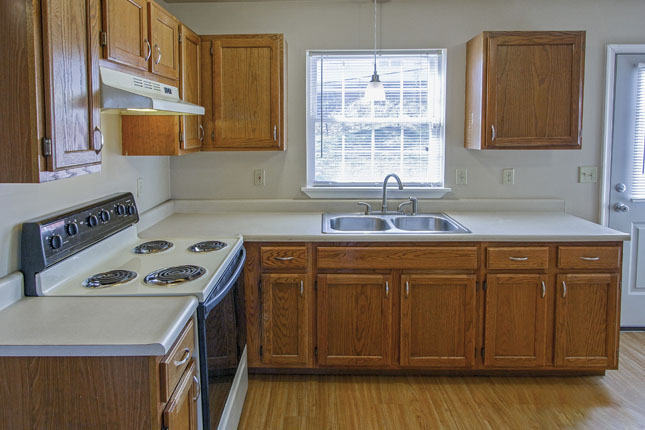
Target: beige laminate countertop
[307,226]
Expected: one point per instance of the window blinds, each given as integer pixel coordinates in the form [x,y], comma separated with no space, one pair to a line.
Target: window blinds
[638,163]
[358,142]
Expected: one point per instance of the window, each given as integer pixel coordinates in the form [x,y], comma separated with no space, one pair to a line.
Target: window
[353,143]
[638,161]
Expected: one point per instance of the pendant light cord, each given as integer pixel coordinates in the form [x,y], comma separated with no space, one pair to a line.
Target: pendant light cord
[375,37]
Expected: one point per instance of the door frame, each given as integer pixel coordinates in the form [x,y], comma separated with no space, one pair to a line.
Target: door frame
[613,50]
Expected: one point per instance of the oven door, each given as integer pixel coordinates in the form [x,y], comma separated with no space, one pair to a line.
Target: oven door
[222,339]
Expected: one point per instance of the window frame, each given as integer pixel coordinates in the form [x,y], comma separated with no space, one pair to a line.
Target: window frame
[356,191]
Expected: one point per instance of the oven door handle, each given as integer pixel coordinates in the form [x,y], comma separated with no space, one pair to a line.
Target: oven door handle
[213,300]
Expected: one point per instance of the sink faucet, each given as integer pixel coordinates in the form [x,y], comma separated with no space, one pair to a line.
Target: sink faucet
[391,175]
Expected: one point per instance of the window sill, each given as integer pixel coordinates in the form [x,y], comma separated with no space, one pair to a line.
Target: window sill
[373,192]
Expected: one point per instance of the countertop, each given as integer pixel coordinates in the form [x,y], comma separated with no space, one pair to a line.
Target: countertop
[307,226]
[102,326]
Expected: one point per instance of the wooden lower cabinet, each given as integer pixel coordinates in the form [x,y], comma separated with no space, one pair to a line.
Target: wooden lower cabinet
[181,411]
[586,321]
[286,319]
[354,320]
[438,320]
[516,320]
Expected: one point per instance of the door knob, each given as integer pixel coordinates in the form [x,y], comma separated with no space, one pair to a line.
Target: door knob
[621,207]
[621,188]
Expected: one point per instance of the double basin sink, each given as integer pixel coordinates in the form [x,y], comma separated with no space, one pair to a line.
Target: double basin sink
[391,224]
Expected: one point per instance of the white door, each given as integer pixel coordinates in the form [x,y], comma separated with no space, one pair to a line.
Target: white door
[627,186]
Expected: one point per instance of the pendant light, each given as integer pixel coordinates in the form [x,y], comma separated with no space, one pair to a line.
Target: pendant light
[375,90]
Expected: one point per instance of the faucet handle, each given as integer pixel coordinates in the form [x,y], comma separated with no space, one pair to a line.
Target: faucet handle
[368,207]
[415,205]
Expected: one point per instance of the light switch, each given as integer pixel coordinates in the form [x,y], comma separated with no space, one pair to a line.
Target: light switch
[587,174]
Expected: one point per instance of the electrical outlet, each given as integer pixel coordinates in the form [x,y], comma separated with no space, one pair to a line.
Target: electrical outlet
[587,174]
[508,176]
[139,187]
[461,177]
[259,177]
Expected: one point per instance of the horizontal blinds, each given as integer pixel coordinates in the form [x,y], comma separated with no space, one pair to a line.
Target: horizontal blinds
[358,142]
[638,171]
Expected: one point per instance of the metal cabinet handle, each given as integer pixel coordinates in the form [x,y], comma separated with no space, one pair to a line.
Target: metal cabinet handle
[98,148]
[543,289]
[492,128]
[184,358]
[590,258]
[407,288]
[387,289]
[302,287]
[199,388]
[283,258]
[201,128]
[158,51]
[518,258]
[149,50]
[275,133]
[564,289]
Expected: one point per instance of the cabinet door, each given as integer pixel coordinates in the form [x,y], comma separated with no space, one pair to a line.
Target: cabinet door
[164,38]
[516,309]
[437,320]
[247,92]
[181,410]
[190,89]
[125,23]
[534,89]
[354,320]
[71,82]
[286,315]
[586,321]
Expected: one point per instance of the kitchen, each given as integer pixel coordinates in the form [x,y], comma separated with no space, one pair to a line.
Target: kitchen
[214,194]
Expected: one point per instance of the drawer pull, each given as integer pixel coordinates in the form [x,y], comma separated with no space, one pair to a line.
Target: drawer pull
[543,289]
[564,289]
[283,258]
[387,289]
[184,358]
[199,388]
[590,258]
[407,288]
[518,258]
[302,287]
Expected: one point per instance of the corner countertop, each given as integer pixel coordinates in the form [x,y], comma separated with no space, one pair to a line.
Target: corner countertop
[307,226]
[102,326]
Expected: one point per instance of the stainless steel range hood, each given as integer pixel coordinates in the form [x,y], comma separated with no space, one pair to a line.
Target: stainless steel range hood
[132,95]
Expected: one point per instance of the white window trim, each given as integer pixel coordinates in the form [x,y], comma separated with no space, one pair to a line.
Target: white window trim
[329,192]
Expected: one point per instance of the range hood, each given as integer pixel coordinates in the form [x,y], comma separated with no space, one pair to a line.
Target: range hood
[132,95]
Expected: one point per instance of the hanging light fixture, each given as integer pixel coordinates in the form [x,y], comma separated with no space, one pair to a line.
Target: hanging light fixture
[375,90]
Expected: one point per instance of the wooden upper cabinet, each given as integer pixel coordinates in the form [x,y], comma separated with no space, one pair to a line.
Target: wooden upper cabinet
[438,321]
[180,412]
[586,321]
[246,102]
[164,39]
[125,33]
[354,320]
[516,320]
[286,319]
[189,89]
[524,90]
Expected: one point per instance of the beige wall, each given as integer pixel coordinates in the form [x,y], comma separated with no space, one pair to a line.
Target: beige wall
[421,24]
[21,202]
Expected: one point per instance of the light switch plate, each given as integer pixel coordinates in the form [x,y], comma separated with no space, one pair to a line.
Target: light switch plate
[259,177]
[139,187]
[587,174]
[508,176]
[461,177]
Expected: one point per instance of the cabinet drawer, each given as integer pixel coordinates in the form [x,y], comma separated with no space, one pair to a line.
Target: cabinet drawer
[517,257]
[589,257]
[440,258]
[173,364]
[284,257]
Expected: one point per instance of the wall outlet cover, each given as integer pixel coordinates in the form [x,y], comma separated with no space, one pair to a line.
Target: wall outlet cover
[461,177]
[259,177]
[587,174]
[508,176]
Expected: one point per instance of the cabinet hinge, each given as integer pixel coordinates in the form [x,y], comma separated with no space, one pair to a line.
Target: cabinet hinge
[476,285]
[179,37]
[316,352]
[181,136]
[47,147]
[103,37]
[261,351]
[260,286]
[483,349]
[213,136]
[316,285]
[485,285]
[164,428]
[211,49]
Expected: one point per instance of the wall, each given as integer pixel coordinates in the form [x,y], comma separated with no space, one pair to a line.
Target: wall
[21,202]
[408,24]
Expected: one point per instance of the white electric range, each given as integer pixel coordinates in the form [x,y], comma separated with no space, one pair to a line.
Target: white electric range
[94,250]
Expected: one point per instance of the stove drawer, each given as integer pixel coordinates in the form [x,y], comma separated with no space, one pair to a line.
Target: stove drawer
[174,363]
[284,257]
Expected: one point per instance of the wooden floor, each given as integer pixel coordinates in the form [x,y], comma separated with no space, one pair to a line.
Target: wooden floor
[613,401]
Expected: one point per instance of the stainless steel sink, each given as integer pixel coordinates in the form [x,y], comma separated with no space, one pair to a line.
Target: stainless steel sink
[391,224]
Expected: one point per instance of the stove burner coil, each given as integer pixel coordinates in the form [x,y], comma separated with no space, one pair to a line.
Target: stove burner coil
[153,247]
[174,275]
[207,246]
[109,279]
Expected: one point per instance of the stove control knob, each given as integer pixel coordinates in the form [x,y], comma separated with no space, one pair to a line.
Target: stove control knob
[131,210]
[72,229]
[119,209]
[92,221]
[105,215]
[56,242]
